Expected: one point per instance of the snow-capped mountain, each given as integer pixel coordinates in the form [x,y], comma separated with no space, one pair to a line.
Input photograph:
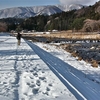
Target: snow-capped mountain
[24,12]
[48,10]
[69,7]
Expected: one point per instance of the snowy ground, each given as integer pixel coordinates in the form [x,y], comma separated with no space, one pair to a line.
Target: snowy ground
[90,72]
[28,72]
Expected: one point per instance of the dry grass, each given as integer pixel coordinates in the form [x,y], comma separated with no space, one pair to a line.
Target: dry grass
[70,35]
[80,58]
[94,63]
[66,34]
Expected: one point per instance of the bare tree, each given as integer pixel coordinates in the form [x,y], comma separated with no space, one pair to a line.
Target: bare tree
[91,25]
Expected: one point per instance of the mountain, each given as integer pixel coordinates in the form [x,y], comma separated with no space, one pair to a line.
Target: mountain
[24,12]
[69,7]
[49,10]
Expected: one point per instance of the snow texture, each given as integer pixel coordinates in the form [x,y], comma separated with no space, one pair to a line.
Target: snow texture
[37,71]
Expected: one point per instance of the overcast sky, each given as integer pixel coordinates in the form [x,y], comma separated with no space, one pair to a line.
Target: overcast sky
[26,3]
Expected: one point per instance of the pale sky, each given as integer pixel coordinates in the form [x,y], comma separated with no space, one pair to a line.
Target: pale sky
[27,3]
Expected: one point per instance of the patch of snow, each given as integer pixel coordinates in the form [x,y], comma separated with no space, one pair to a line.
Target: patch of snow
[24,76]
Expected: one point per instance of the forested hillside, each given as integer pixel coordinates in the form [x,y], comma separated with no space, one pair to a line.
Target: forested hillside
[85,19]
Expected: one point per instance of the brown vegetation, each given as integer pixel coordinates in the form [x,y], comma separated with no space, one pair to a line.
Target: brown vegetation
[72,36]
[91,25]
[3,27]
[94,63]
